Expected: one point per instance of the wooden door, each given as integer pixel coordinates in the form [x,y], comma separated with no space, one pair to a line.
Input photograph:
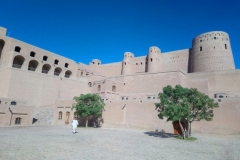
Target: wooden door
[67,117]
[177,128]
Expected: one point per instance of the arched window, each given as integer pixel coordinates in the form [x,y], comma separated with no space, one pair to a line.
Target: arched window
[32,65]
[57,71]
[17,49]
[45,58]
[56,61]
[32,54]
[18,61]
[18,120]
[66,65]
[68,74]
[60,115]
[114,88]
[99,88]
[89,84]
[46,68]
[13,103]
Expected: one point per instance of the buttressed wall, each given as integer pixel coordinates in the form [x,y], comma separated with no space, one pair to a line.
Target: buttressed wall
[38,86]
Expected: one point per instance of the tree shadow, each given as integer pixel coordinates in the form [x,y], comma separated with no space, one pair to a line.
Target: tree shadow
[160,134]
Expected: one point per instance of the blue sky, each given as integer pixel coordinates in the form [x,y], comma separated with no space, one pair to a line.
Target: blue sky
[83,30]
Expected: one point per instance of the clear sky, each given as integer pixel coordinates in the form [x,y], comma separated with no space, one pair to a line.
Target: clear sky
[83,30]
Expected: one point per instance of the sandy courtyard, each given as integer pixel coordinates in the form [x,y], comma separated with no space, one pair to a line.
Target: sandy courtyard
[56,143]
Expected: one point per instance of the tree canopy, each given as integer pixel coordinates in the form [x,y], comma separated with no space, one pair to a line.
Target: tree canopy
[88,105]
[177,104]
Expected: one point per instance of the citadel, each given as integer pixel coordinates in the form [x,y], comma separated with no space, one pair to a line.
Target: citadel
[37,87]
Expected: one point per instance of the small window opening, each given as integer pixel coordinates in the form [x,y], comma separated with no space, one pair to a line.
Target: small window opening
[93,62]
[89,84]
[122,98]
[225,46]
[32,54]
[45,58]
[56,61]
[99,88]
[18,120]
[13,103]
[151,59]
[200,49]
[17,49]
[66,65]
[125,63]
[214,38]
[113,88]
[98,63]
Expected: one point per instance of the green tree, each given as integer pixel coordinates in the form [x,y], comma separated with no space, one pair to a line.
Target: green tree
[184,104]
[88,105]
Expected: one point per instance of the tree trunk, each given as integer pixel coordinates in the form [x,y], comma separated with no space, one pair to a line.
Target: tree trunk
[87,122]
[190,129]
[183,132]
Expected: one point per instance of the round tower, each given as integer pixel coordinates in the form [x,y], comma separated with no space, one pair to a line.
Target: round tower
[153,60]
[211,51]
[128,63]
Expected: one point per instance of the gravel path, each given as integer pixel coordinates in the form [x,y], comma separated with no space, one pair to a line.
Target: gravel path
[56,143]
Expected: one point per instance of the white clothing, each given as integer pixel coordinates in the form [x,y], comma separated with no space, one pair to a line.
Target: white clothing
[74,125]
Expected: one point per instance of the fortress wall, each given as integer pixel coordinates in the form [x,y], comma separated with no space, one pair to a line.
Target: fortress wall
[150,83]
[176,60]
[26,49]
[225,121]
[220,81]
[109,70]
[40,89]
[23,112]
[136,115]
[5,79]
[140,64]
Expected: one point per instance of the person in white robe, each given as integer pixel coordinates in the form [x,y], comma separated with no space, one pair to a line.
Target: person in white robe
[74,125]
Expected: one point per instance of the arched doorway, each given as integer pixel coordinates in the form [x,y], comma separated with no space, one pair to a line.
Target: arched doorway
[18,61]
[57,71]
[2,43]
[46,68]
[67,117]
[32,65]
